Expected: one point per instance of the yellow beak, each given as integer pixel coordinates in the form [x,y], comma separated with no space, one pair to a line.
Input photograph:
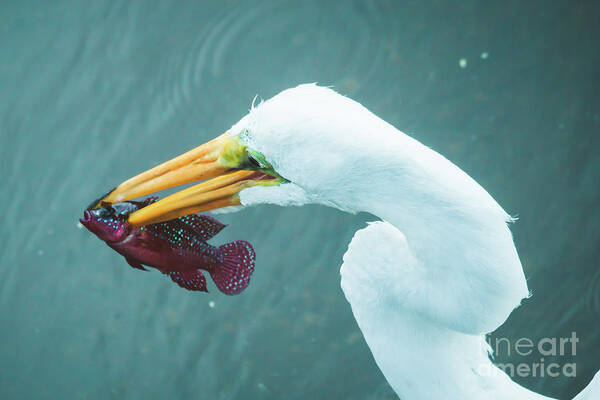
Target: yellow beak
[221,159]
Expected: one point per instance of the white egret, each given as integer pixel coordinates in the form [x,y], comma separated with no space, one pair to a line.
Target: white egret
[425,283]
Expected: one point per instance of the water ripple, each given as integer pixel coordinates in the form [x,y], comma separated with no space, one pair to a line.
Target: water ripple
[592,296]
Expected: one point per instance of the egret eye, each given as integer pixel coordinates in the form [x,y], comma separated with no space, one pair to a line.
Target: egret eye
[257,161]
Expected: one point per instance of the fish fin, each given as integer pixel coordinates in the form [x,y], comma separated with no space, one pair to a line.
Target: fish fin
[186,231]
[233,274]
[135,263]
[204,226]
[173,232]
[190,280]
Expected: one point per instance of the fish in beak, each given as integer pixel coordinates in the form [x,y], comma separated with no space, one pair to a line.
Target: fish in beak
[225,165]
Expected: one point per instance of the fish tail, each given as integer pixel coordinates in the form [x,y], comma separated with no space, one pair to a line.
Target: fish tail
[233,274]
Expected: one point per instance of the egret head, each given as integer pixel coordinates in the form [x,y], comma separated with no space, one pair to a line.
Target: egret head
[292,149]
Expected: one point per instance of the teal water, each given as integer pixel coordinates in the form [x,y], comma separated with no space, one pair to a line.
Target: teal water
[94,92]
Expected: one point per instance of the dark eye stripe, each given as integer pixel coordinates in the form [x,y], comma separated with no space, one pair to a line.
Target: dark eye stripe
[253,162]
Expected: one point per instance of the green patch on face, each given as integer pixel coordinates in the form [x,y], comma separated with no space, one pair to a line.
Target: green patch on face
[236,155]
[233,153]
[258,162]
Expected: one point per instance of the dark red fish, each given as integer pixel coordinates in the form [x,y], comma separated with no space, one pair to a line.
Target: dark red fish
[177,248]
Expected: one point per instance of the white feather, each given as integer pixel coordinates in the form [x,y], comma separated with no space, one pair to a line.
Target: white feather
[430,281]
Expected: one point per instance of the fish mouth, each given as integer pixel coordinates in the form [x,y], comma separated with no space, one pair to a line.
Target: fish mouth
[88,222]
[226,167]
[87,217]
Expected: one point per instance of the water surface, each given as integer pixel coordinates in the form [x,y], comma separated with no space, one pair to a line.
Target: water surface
[94,92]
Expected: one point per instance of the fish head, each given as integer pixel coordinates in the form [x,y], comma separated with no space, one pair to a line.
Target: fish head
[109,222]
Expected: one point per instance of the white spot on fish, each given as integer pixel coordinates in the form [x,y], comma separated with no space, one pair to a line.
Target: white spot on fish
[462,63]
[211,304]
